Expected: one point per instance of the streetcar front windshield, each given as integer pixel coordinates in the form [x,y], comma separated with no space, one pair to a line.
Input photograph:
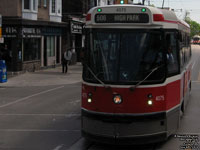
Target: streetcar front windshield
[124,56]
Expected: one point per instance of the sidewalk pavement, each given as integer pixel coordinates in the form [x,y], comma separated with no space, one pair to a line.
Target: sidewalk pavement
[51,76]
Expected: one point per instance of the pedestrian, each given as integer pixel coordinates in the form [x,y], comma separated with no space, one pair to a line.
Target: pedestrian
[66,57]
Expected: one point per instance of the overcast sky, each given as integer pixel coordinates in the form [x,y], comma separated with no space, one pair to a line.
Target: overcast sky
[180,6]
[193,6]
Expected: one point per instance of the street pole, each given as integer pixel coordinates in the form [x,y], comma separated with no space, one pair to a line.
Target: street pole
[143,2]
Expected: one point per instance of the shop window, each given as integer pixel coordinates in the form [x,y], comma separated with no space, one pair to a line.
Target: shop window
[50,46]
[26,4]
[31,49]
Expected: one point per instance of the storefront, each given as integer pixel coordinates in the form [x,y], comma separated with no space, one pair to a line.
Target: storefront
[51,46]
[12,47]
[30,46]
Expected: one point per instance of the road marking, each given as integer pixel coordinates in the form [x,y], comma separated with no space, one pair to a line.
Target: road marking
[187,133]
[193,64]
[81,144]
[75,101]
[36,130]
[195,81]
[25,98]
[59,147]
[57,115]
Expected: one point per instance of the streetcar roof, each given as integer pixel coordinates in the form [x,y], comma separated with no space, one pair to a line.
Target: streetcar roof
[170,19]
[196,36]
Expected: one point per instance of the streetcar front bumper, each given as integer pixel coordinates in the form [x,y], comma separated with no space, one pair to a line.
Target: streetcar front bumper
[127,129]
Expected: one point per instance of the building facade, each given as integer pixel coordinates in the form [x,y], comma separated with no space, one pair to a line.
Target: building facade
[32,32]
[74,14]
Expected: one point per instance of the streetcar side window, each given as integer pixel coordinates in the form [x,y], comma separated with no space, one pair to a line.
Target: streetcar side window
[185,50]
[171,53]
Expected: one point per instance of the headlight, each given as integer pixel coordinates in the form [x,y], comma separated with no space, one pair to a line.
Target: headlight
[150,102]
[117,99]
[89,100]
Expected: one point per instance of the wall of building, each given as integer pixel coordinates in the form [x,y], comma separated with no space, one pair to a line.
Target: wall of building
[31,66]
[10,8]
[43,11]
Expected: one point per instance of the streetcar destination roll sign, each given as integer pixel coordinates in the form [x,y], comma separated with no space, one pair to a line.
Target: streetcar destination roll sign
[121,18]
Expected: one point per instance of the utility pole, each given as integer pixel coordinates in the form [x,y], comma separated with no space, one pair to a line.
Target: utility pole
[143,2]
[163,3]
[187,14]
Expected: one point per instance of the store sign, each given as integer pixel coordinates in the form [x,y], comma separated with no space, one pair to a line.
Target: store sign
[76,28]
[121,18]
[10,32]
[31,32]
[51,31]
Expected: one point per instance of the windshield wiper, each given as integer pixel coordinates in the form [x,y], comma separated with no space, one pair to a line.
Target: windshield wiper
[132,88]
[90,70]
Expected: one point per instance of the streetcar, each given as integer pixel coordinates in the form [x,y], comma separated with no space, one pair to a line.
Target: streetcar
[136,74]
[196,39]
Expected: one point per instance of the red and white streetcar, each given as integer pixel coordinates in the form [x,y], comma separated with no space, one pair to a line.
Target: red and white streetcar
[136,74]
[196,39]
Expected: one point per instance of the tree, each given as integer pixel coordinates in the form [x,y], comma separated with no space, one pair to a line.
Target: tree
[194,26]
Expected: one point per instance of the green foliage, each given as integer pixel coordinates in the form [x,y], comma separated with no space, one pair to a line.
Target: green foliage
[194,26]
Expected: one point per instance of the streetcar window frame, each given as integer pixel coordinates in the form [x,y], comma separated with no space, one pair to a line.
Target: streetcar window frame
[185,51]
[176,71]
[88,42]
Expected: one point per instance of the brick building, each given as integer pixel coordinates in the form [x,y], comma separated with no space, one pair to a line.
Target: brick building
[32,32]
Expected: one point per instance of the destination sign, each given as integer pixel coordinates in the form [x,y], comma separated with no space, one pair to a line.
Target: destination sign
[121,18]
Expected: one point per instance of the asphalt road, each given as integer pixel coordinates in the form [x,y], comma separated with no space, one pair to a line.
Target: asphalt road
[39,118]
[41,110]
[38,113]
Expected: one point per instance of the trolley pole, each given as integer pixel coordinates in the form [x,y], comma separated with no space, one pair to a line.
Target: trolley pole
[143,2]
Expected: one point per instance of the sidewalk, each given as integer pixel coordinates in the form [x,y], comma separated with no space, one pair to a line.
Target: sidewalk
[51,76]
